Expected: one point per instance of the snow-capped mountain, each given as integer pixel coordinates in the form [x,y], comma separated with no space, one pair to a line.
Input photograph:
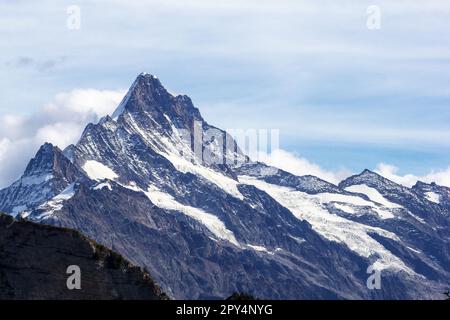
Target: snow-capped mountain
[47,175]
[206,221]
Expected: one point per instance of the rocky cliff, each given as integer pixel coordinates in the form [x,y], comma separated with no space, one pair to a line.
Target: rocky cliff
[34,262]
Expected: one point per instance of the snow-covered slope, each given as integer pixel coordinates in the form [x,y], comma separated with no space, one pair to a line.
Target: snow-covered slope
[47,174]
[354,235]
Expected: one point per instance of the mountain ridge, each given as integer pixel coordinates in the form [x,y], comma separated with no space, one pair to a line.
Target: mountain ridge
[34,259]
[212,223]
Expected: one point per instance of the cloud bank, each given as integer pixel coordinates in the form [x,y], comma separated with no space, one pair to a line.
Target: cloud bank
[441,177]
[60,122]
[300,166]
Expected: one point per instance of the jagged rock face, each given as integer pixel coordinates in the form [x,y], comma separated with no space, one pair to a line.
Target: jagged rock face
[425,207]
[34,260]
[47,174]
[207,229]
[179,252]
[149,96]
[432,192]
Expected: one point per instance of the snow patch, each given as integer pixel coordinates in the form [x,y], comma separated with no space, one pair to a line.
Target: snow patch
[413,250]
[259,249]
[345,208]
[103,185]
[382,212]
[98,171]
[56,203]
[373,194]
[18,209]
[336,197]
[165,201]
[66,194]
[433,197]
[417,218]
[299,240]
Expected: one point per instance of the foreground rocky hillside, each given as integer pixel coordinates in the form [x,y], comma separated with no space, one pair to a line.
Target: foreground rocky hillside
[34,259]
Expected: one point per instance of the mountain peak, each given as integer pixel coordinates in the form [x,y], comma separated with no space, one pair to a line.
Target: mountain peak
[45,176]
[367,177]
[46,145]
[149,80]
[44,159]
[147,96]
[145,90]
[51,160]
[369,172]
[146,74]
[421,184]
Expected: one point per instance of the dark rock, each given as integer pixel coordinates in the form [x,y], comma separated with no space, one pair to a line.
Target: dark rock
[34,259]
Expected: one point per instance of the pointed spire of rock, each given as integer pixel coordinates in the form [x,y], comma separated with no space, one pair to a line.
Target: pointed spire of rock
[148,96]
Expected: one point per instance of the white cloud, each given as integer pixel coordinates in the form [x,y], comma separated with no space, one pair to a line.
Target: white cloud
[300,166]
[391,172]
[60,134]
[440,177]
[85,102]
[59,122]
[290,162]
[368,76]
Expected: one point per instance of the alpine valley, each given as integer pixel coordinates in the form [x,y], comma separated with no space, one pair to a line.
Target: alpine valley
[204,230]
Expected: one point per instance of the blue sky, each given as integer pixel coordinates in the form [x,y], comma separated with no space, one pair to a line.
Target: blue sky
[343,96]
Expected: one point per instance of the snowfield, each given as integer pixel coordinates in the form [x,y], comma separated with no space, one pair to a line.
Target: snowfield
[354,235]
[98,171]
[433,197]
[373,195]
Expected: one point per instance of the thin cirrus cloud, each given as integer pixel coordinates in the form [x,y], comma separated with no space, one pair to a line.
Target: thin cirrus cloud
[38,65]
[300,166]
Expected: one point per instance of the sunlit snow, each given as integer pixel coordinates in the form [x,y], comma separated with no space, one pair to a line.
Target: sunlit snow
[165,201]
[373,195]
[335,228]
[98,171]
[56,203]
[433,197]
